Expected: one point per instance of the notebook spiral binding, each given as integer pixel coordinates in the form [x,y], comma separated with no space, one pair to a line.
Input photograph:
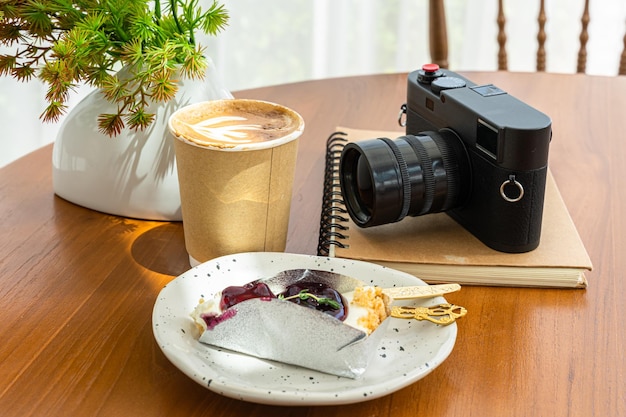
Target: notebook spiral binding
[332,229]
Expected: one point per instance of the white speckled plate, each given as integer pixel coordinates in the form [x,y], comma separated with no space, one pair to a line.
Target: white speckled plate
[409,351]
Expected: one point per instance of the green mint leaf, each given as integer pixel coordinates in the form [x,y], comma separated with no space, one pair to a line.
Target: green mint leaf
[329,302]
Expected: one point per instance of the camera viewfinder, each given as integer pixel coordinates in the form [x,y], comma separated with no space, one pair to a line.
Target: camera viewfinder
[487,139]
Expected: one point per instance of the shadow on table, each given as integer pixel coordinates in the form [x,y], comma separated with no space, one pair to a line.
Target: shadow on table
[162,249]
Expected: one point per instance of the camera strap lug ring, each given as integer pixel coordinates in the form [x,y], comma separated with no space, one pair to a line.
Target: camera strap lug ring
[402,116]
[520,190]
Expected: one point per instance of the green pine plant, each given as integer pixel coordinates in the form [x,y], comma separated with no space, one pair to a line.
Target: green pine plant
[66,42]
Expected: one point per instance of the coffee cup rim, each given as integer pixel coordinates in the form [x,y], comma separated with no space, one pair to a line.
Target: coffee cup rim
[267,144]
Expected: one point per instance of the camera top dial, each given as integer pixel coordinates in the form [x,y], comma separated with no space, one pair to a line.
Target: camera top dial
[446,83]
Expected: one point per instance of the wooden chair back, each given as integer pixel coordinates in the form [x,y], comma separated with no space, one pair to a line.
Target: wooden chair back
[438,41]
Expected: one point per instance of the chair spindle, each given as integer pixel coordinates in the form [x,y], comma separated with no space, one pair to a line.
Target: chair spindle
[438,39]
[541,38]
[584,37]
[502,58]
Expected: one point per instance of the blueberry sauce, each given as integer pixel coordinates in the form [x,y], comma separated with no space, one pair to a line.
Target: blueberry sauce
[236,294]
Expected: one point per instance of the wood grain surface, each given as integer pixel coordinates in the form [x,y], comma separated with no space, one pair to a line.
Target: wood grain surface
[77,287]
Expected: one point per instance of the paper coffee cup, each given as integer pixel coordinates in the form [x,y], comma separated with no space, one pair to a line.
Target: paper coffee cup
[236,162]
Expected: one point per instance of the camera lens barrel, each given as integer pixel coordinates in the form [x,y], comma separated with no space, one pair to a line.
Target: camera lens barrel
[383,180]
[404,173]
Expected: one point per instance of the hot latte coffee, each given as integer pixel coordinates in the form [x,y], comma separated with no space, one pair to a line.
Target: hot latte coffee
[229,123]
[236,162]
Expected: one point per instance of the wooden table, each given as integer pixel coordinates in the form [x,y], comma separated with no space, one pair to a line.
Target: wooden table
[77,287]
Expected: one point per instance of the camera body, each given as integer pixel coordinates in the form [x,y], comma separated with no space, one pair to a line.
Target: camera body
[472,151]
[507,145]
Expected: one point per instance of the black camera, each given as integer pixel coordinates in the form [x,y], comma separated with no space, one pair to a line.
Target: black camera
[470,150]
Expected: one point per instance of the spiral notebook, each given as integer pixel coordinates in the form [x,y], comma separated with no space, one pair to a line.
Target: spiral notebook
[437,249]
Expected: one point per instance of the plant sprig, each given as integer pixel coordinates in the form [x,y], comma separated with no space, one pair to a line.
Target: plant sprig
[305,295]
[64,43]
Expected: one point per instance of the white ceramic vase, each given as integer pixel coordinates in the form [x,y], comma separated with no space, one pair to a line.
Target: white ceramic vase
[134,173]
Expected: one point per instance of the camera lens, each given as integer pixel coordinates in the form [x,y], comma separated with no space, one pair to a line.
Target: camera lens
[384,180]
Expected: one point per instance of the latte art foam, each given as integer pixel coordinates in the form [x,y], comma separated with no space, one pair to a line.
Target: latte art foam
[213,128]
[226,123]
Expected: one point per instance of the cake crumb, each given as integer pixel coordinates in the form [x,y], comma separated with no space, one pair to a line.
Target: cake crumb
[373,300]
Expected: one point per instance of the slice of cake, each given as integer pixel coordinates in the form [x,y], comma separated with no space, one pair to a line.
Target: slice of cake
[315,319]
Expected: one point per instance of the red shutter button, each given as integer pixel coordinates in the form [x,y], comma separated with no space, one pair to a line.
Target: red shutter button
[429,73]
[430,68]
